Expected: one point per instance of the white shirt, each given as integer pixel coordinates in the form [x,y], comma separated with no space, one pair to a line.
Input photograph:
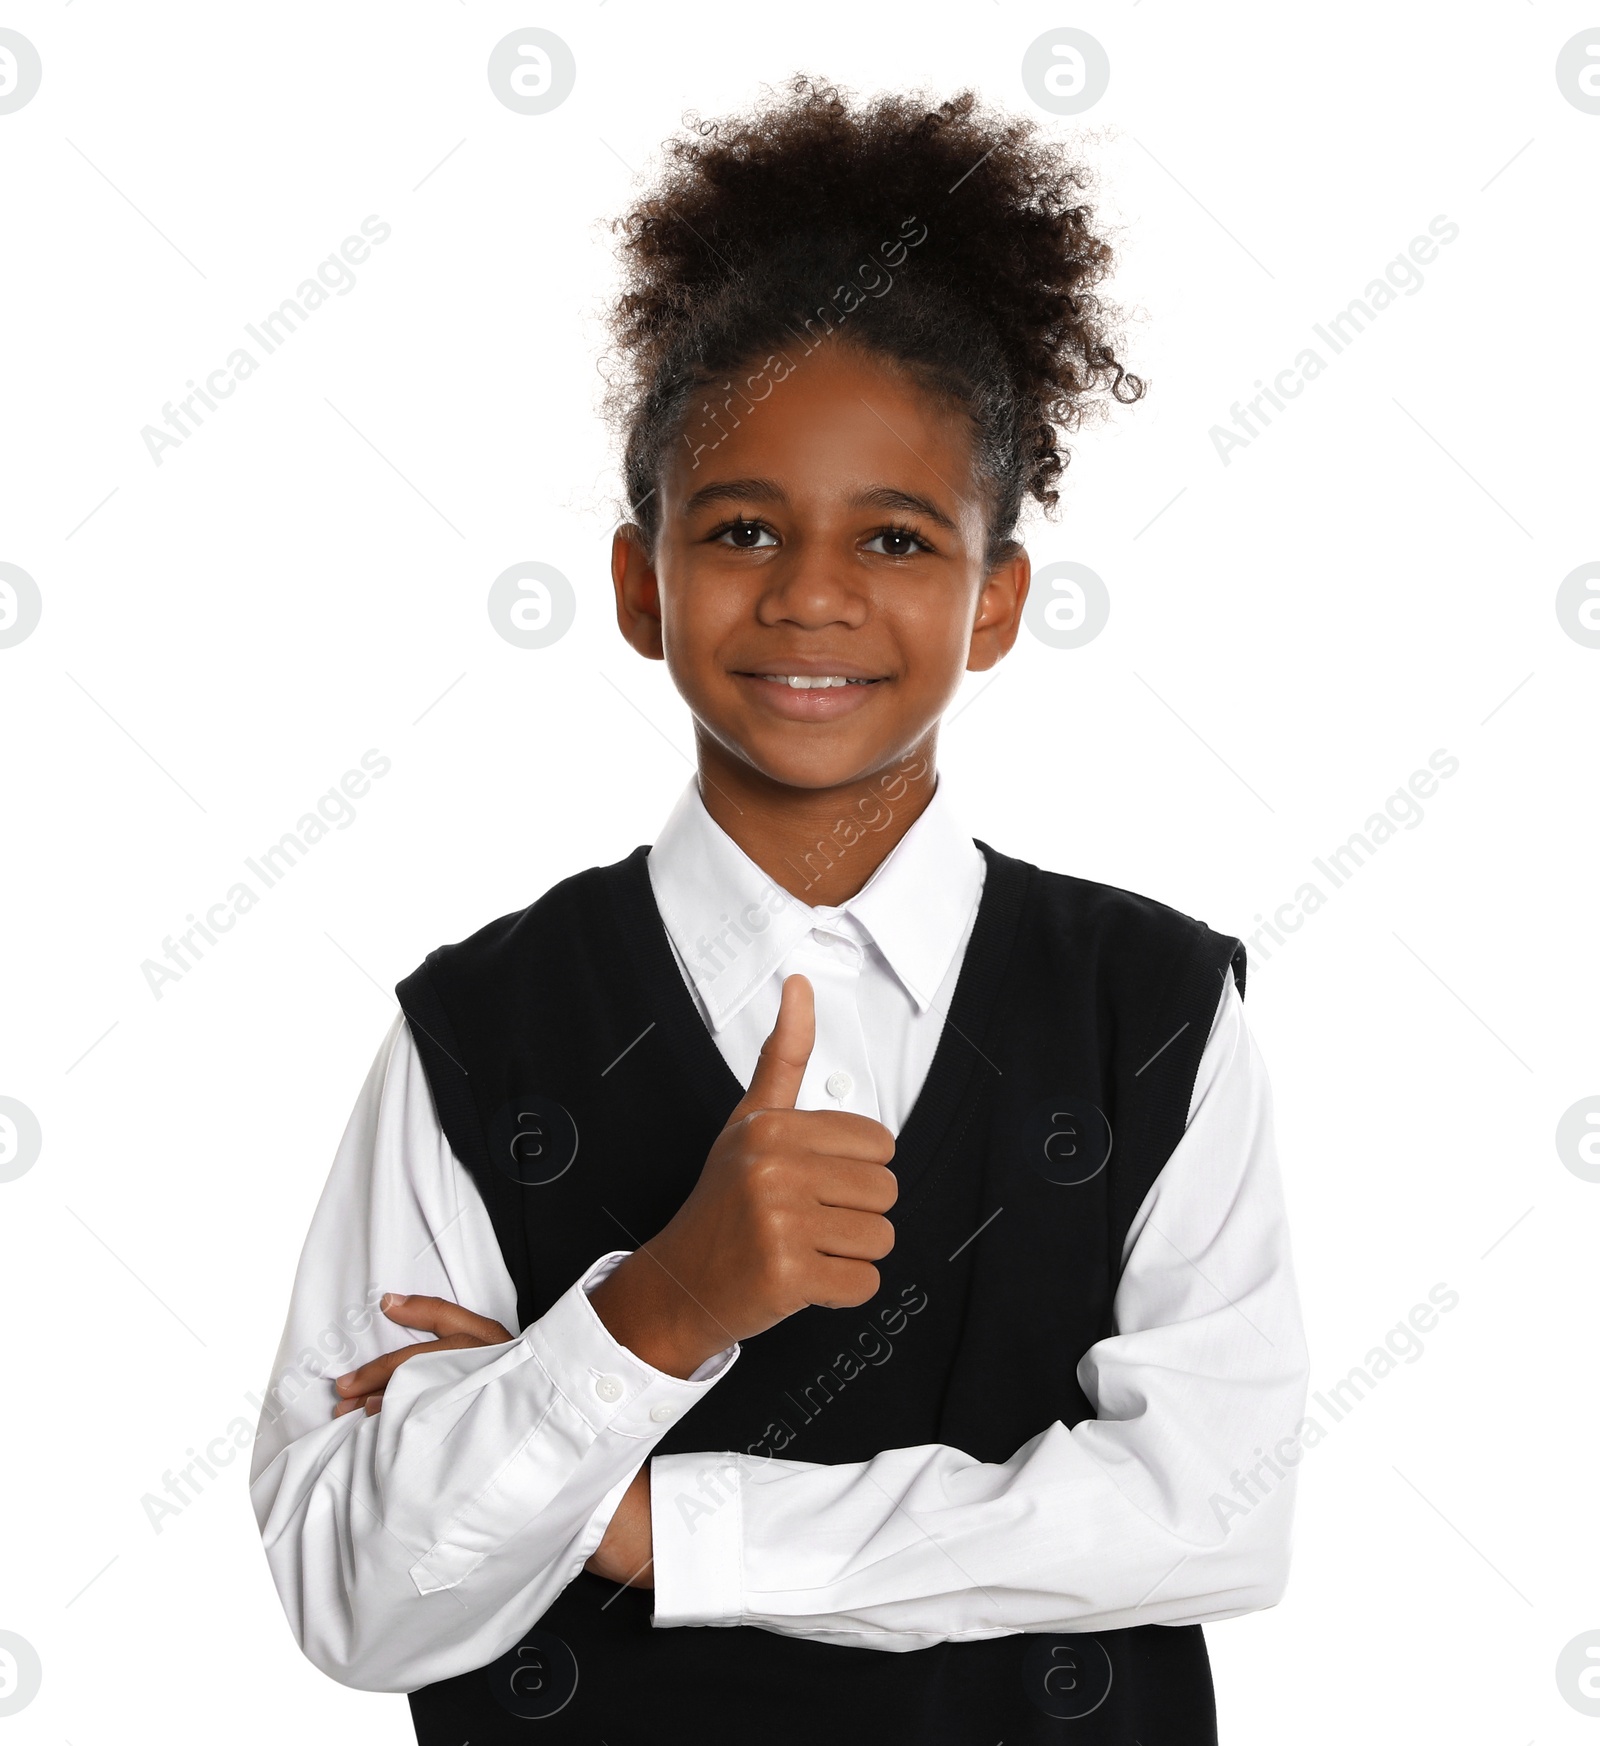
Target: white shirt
[882,966]
[425,1540]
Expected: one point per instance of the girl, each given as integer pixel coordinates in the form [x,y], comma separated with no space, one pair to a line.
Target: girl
[893,1228]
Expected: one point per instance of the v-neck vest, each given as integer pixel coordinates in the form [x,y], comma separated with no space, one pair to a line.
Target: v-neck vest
[578,1085]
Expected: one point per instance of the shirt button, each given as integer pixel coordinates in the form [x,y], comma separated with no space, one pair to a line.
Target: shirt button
[661,1413]
[608,1387]
[838,1084]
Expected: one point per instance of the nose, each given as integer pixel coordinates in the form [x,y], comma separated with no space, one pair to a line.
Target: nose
[812,589]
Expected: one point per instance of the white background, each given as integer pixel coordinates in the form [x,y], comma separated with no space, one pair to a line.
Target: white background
[1291,636]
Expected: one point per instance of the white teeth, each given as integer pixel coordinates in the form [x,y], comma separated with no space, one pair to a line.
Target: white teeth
[806,682]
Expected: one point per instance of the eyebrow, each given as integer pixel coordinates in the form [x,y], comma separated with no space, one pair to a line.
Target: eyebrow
[758,490]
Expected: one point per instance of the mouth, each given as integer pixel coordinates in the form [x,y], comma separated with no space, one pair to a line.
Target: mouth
[805,690]
[810,681]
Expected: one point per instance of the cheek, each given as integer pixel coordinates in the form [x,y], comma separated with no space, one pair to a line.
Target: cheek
[698,615]
[935,635]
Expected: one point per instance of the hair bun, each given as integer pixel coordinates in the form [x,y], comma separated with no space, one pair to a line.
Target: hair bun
[949,236]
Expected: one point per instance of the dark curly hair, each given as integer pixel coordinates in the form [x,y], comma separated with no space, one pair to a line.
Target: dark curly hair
[947,237]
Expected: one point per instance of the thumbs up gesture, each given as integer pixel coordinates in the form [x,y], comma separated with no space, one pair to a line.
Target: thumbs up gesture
[788,1212]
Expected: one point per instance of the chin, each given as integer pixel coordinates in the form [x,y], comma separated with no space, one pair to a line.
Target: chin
[809,767]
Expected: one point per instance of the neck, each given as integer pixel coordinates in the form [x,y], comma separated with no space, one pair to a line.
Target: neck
[819,844]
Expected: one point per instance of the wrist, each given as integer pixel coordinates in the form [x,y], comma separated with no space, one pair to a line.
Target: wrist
[625,1554]
[642,1308]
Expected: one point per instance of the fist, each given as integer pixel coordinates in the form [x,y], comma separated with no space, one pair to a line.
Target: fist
[788,1212]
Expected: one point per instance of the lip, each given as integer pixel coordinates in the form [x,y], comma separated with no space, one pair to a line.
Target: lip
[789,704]
[810,667]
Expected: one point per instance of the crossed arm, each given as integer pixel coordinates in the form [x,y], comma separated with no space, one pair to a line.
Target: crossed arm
[422,1540]
[624,1553]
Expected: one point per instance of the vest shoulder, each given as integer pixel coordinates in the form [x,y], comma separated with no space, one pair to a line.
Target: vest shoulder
[1122,927]
[1117,909]
[559,916]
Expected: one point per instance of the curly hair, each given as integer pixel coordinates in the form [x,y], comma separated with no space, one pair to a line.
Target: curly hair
[950,238]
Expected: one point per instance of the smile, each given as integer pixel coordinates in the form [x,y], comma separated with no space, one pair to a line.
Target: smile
[811,682]
[812,697]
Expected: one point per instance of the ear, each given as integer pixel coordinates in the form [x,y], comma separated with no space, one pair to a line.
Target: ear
[999,615]
[633,576]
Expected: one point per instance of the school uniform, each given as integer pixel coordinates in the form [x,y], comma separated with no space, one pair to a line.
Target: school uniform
[996,1501]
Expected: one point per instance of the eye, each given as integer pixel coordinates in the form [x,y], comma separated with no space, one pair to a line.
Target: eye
[743,535]
[903,542]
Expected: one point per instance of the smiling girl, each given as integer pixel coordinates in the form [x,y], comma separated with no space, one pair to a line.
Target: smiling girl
[814,1066]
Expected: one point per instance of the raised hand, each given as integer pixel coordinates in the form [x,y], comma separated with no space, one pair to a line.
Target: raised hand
[788,1212]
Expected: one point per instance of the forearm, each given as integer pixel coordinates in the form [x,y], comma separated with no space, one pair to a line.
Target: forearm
[1079,1531]
[1171,1506]
[422,1541]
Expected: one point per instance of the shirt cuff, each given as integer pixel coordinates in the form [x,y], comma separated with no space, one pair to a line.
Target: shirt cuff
[611,1387]
[696,1539]
[608,1388]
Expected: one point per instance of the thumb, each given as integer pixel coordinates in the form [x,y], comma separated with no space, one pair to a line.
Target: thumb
[775,1084]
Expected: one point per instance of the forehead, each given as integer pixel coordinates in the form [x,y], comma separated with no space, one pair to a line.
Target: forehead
[841,423]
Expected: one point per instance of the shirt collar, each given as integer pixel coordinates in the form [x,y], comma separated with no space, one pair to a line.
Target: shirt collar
[733,926]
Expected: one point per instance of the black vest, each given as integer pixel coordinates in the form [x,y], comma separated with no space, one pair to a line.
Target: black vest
[1060,1086]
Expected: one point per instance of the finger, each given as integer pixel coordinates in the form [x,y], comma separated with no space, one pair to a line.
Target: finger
[437,1315]
[851,1236]
[834,1133]
[349,1406]
[373,1377]
[775,1084]
[845,1284]
[852,1185]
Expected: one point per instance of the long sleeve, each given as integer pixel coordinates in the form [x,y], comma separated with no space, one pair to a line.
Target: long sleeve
[424,1540]
[1171,1506]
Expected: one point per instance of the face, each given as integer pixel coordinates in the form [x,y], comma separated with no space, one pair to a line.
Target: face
[818,586]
